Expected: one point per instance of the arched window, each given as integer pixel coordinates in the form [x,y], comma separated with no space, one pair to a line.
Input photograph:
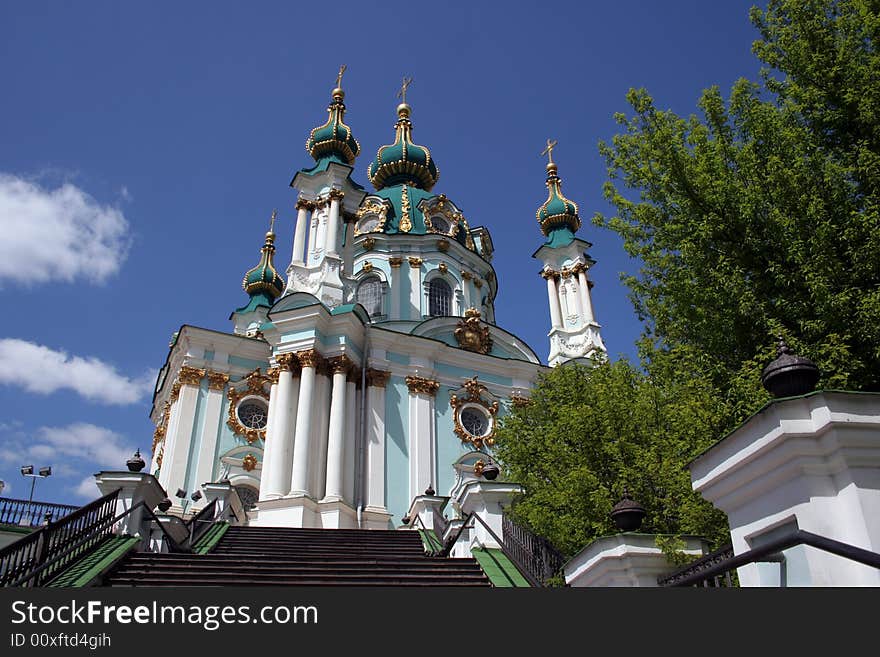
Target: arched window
[439,297]
[440,224]
[369,295]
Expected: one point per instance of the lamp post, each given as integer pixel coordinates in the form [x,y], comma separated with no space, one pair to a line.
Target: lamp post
[195,497]
[28,471]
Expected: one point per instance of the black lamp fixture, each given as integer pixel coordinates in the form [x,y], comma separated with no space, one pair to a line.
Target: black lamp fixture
[789,375]
[196,496]
[490,470]
[627,514]
[28,471]
[164,505]
[136,463]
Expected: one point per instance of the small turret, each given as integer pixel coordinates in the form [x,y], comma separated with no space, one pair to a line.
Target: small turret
[334,139]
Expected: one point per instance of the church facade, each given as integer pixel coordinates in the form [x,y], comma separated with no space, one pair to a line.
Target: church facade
[371,369]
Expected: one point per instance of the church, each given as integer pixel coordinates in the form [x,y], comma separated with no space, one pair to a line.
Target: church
[369,370]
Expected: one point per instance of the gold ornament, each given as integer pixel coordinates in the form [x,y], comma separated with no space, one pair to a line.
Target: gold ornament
[249,462]
[471,334]
[420,385]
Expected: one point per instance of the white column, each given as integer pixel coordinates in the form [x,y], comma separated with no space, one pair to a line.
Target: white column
[299,480]
[585,296]
[320,427]
[553,298]
[375,437]
[422,448]
[578,300]
[466,290]
[210,429]
[313,234]
[277,458]
[299,236]
[176,458]
[395,287]
[415,288]
[348,249]
[353,415]
[336,435]
[333,223]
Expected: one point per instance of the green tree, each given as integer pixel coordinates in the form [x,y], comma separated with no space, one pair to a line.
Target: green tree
[760,216]
[590,433]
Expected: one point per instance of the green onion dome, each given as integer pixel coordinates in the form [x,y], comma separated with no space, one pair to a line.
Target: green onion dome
[557,211]
[403,162]
[264,278]
[334,139]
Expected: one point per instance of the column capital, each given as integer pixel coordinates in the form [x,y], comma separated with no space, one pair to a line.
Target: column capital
[415,262]
[309,358]
[377,378]
[420,385]
[395,262]
[272,374]
[548,273]
[190,376]
[304,204]
[354,375]
[466,275]
[217,380]
[340,364]
[287,363]
[336,194]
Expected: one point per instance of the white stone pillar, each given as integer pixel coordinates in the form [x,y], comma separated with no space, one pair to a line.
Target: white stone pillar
[333,222]
[415,288]
[466,289]
[348,249]
[299,236]
[299,481]
[575,292]
[396,288]
[335,487]
[553,298]
[353,415]
[175,460]
[277,458]
[375,437]
[314,228]
[585,296]
[320,427]
[422,447]
[207,451]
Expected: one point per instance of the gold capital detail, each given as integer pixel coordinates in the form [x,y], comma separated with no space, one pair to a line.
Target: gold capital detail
[340,364]
[304,204]
[272,374]
[377,378]
[354,375]
[190,376]
[309,358]
[175,392]
[395,262]
[466,275]
[287,362]
[337,194]
[217,380]
[415,262]
[421,386]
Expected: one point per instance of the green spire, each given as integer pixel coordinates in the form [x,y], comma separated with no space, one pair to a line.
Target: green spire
[557,212]
[403,162]
[264,278]
[334,139]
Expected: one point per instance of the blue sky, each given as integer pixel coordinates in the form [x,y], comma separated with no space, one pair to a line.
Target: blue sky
[143,147]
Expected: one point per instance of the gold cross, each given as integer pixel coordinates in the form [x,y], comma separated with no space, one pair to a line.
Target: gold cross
[551,144]
[402,93]
[339,76]
[272,221]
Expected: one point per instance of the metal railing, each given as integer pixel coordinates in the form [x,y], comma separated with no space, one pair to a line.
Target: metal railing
[533,553]
[703,565]
[31,554]
[468,522]
[198,524]
[13,512]
[709,570]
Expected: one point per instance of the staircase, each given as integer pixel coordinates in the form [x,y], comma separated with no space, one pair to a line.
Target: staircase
[276,556]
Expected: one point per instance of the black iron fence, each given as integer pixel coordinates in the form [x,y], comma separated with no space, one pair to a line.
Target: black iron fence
[18,560]
[719,566]
[533,553]
[31,514]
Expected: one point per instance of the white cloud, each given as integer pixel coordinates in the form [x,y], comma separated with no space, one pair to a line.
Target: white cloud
[99,446]
[87,489]
[43,370]
[57,234]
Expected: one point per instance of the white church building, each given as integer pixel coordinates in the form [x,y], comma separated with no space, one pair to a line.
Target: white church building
[370,369]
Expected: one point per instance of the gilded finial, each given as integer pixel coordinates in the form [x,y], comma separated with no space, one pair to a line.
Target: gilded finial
[272,221]
[551,144]
[339,75]
[402,93]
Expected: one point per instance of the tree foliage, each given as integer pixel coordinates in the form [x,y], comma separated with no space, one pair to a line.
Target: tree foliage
[589,434]
[761,215]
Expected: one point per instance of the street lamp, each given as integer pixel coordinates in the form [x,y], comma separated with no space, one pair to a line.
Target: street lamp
[195,497]
[28,471]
